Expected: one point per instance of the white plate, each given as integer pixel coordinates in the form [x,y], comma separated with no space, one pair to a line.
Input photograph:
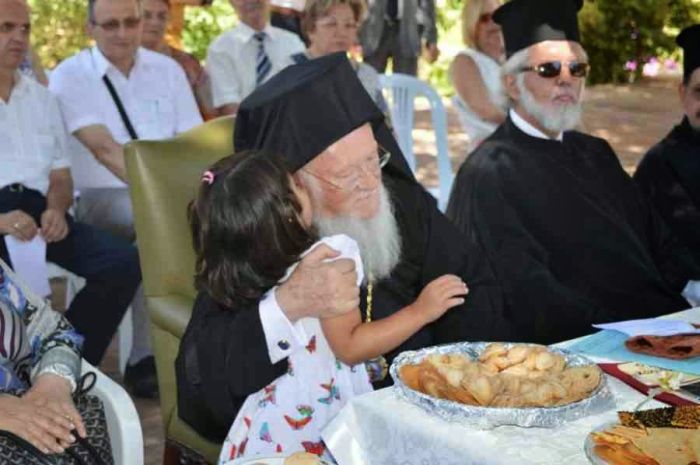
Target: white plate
[588,445]
[269,460]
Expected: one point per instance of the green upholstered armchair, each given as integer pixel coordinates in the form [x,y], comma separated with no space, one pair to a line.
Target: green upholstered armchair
[164,177]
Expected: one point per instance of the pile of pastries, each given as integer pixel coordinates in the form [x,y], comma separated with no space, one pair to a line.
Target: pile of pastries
[517,376]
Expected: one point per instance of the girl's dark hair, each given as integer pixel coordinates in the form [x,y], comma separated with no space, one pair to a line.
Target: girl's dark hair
[246,228]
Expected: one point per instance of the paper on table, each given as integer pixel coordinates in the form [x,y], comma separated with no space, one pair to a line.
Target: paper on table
[611,345]
[29,263]
[651,327]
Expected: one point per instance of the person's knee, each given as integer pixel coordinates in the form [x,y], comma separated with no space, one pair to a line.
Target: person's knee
[131,263]
[123,262]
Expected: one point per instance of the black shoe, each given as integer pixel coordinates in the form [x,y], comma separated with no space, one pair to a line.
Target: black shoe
[140,379]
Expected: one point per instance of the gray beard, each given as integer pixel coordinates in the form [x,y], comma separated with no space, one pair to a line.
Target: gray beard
[378,238]
[555,119]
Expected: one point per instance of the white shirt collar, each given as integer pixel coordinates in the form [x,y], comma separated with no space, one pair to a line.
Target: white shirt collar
[102,64]
[246,32]
[529,129]
[20,86]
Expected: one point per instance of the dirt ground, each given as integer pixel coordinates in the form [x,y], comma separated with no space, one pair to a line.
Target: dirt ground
[631,118]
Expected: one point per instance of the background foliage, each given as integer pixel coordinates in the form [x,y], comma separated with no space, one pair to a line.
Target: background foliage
[614,33]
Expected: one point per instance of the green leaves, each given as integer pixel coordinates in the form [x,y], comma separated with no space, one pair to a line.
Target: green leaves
[617,31]
[58,29]
[203,25]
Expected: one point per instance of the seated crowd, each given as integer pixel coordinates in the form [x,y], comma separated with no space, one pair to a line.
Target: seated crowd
[320,257]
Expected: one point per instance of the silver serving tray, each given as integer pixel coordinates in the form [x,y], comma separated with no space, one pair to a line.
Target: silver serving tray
[600,400]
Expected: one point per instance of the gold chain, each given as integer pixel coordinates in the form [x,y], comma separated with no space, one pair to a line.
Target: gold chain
[368,312]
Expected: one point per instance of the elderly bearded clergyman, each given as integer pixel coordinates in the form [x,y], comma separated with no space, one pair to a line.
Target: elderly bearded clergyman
[318,116]
[570,238]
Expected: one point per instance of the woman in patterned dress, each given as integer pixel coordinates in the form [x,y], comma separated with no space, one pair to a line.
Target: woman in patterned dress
[39,369]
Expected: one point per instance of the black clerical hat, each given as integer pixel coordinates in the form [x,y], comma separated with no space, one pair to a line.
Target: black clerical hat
[527,22]
[689,40]
[307,107]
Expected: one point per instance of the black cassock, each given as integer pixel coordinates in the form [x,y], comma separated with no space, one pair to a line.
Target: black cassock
[223,357]
[570,237]
[669,174]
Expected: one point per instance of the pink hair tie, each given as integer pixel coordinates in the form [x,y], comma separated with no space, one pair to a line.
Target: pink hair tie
[208,177]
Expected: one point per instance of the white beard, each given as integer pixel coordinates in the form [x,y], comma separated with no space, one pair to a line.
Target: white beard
[557,118]
[378,238]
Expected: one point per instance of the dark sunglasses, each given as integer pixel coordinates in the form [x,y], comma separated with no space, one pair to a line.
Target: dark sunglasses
[113,25]
[552,69]
[485,18]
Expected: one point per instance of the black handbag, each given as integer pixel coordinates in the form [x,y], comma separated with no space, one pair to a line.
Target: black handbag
[93,450]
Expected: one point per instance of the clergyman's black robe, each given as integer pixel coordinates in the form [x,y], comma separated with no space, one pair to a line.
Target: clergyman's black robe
[669,174]
[570,237]
[223,356]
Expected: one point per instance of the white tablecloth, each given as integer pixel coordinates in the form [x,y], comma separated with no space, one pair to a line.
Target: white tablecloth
[381,428]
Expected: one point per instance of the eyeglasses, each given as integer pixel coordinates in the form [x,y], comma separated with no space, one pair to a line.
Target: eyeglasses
[334,24]
[8,27]
[350,181]
[114,24]
[485,18]
[552,69]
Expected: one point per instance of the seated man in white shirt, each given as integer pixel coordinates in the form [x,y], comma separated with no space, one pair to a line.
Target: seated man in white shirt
[156,103]
[36,191]
[241,59]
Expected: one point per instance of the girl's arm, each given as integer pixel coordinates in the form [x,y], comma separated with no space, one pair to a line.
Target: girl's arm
[353,341]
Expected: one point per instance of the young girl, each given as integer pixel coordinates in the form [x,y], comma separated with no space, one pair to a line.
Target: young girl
[251,223]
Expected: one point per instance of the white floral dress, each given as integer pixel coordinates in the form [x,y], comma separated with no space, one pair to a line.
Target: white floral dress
[288,415]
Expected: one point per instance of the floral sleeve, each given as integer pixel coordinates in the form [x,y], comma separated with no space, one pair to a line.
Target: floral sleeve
[55,345]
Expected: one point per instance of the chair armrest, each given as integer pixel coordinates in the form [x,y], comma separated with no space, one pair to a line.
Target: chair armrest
[123,422]
[171,313]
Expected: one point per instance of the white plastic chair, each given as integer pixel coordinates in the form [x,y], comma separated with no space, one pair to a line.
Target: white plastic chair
[123,424]
[402,91]
[74,284]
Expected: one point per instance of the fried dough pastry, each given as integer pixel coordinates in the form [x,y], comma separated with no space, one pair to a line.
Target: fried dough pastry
[519,376]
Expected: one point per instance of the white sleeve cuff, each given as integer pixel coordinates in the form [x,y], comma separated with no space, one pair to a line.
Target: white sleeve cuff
[83,122]
[62,371]
[282,337]
[691,293]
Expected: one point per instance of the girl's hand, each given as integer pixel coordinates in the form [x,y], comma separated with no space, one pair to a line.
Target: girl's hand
[440,295]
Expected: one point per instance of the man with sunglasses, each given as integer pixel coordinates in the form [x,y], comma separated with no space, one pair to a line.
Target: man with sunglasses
[670,172]
[571,239]
[110,94]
